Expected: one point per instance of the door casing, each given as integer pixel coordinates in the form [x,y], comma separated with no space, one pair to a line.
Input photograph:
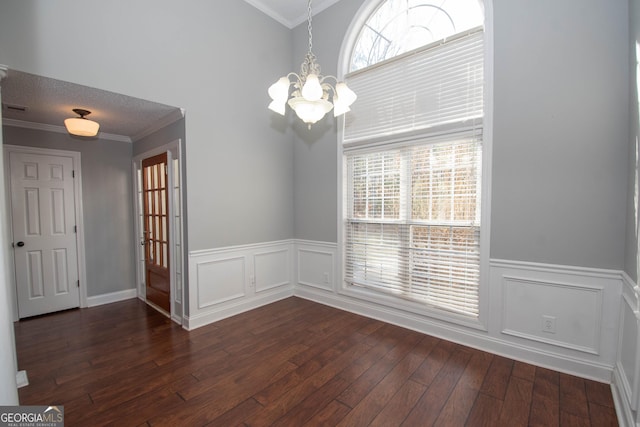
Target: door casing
[176,251]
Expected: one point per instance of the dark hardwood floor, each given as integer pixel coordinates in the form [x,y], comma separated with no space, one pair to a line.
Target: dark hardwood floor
[291,363]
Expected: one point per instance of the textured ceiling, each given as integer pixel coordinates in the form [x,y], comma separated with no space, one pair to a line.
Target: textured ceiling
[290,13]
[49,102]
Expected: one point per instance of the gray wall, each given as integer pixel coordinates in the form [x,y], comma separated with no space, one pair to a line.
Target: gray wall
[561,114]
[161,137]
[315,150]
[560,146]
[631,258]
[561,132]
[215,59]
[107,204]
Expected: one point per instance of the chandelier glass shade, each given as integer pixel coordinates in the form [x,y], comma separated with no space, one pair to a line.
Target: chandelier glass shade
[312,96]
[81,126]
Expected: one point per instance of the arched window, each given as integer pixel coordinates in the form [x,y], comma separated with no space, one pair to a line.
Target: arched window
[398,26]
[412,157]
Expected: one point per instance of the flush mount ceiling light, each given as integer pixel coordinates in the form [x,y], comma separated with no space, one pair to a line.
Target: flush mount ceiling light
[311,94]
[81,126]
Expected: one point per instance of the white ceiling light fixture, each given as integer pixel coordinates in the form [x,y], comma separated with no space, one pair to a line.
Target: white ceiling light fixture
[312,95]
[81,126]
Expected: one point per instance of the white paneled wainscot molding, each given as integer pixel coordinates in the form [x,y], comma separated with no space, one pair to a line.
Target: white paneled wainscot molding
[626,375]
[581,321]
[566,318]
[559,317]
[316,265]
[227,281]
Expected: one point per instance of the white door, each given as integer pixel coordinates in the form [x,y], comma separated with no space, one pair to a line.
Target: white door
[44,233]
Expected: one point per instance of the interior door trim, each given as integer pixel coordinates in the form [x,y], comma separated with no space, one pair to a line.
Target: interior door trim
[177,296]
[77,188]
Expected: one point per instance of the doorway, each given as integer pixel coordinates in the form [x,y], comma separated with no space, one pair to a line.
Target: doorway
[159,222]
[155,227]
[46,226]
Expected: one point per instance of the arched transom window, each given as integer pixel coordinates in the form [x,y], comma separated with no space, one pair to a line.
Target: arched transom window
[398,26]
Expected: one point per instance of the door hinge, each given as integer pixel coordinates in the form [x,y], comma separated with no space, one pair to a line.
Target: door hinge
[78,283]
[75,228]
[73,174]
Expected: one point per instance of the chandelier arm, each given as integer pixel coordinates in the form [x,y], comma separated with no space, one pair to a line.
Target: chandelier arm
[323,78]
[298,79]
[327,85]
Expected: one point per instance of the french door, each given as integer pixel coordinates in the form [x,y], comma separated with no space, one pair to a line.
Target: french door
[159,226]
[155,193]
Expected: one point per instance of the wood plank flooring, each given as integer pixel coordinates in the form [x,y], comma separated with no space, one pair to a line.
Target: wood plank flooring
[291,363]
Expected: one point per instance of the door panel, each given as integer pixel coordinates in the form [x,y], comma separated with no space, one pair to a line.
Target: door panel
[156,230]
[43,220]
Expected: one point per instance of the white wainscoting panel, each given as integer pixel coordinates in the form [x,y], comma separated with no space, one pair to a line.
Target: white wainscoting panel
[316,264]
[220,280]
[626,378]
[555,313]
[272,269]
[582,303]
[227,281]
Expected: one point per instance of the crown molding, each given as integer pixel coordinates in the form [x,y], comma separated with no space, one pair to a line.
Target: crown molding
[290,23]
[170,118]
[61,129]
[270,12]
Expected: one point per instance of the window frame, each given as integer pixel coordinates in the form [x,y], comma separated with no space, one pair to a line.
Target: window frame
[408,306]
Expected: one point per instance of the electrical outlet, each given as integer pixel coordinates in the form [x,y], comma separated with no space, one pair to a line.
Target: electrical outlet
[326,278]
[549,324]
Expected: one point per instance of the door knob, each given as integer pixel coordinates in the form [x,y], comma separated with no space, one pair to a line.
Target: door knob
[20,244]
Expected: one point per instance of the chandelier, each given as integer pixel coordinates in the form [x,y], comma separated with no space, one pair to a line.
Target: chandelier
[312,96]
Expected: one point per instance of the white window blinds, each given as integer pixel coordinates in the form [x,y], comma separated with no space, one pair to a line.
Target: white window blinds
[432,86]
[413,221]
[412,151]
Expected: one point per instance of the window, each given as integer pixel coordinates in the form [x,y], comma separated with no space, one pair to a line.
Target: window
[412,155]
[398,26]
[413,221]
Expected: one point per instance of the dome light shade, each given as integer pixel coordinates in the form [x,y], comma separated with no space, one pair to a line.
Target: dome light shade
[81,126]
[310,111]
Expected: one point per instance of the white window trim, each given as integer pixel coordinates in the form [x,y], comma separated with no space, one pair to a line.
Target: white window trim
[344,61]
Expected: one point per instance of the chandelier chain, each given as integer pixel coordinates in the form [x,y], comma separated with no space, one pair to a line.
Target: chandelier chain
[309,25]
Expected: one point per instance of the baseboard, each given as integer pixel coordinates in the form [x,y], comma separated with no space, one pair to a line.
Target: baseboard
[232,308]
[620,400]
[111,297]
